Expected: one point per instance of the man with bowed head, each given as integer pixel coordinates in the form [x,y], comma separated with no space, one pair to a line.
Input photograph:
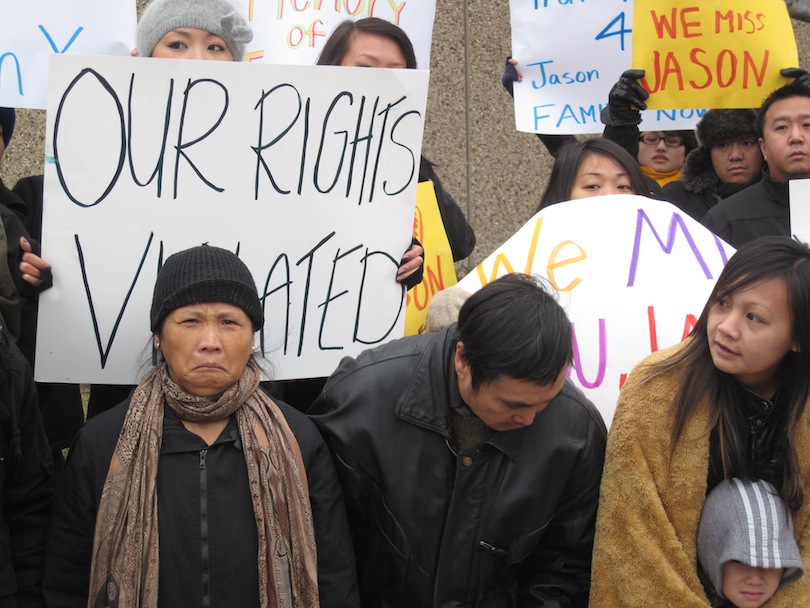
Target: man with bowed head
[469,462]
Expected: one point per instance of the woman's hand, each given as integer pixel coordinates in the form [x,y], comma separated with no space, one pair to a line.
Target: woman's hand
[511,75]
[32,266]
[410,262]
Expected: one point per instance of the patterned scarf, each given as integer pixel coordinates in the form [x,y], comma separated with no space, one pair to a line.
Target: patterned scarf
[125,563]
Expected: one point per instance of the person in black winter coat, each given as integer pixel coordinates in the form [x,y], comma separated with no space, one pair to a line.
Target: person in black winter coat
[200,490]
[727,160]
[60,404]
[661,154]
[763,209]
[470,463]
[25,479]
[21,211]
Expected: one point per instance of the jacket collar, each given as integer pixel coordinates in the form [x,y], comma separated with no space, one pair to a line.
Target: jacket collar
[425,401]
[778,191]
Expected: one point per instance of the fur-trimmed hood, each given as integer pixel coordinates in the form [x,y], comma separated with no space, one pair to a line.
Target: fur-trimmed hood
[717,127]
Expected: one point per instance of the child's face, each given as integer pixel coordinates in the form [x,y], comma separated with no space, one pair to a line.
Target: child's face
[191,43]
[749,587]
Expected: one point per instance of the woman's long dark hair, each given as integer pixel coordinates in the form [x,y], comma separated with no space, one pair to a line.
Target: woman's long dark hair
[570,158]
[339,41]
[760,260]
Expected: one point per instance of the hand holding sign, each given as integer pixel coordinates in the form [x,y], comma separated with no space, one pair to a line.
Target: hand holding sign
[625,100]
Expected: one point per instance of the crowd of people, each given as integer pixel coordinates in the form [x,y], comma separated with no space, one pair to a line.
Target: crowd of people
[459,467]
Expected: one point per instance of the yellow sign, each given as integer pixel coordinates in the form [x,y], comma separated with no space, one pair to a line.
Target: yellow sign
[712,53]
[439,272]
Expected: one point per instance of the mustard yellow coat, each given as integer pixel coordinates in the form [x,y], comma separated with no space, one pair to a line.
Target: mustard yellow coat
[645,550]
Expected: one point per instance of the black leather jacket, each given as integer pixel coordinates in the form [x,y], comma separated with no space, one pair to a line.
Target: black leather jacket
[509,525]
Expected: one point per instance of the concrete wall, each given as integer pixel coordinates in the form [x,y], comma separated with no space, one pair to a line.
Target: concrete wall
[495,173]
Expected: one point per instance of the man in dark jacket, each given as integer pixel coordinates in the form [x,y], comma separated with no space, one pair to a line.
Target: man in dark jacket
[25,481]
[470,464]
[784,138]
[727,160]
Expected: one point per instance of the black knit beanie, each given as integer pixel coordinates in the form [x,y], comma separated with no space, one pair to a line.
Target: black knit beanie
[204,274]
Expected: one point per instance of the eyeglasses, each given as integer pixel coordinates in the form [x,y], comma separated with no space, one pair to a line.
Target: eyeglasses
[670,141]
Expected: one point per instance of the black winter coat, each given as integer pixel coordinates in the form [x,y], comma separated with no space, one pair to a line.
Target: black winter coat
[59,404]
[508,525]
[700,189]
[25,479]
[759,210]
[189,470]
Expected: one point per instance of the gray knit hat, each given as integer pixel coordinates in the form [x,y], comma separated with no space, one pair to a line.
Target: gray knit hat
[204,274]
[747,521]
[218,17]
[443,309]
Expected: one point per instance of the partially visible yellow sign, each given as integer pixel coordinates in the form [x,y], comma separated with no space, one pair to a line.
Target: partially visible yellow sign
[439,272]
[712,53]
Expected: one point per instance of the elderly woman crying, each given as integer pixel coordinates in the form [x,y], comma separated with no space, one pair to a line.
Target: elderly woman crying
[201,490]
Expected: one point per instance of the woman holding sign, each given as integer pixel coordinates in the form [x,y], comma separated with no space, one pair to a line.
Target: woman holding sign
[728,402]
[661,154]
[201,490]
[180,29]
[376,43]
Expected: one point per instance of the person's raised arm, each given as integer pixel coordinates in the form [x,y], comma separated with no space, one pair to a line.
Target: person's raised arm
[622,115]
[511,75]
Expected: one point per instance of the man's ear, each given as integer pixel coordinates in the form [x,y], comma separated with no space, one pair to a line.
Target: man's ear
[460,363]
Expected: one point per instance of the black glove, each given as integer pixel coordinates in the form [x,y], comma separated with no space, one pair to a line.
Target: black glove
[509,77]
[802,76]
[625,101]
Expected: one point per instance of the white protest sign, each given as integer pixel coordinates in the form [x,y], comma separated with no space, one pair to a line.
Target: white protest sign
[308,173]
[571,54]
[30,32]
[633,275]
[294,31]
[800,209]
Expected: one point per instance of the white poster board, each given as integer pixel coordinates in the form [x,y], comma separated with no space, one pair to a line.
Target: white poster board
[309,173]
[571,55]
[294,31]
[32,31]
[799,196]
[633,278]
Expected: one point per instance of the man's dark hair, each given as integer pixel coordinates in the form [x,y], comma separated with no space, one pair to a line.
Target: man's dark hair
[339,41]
[794,89]
[514,327]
